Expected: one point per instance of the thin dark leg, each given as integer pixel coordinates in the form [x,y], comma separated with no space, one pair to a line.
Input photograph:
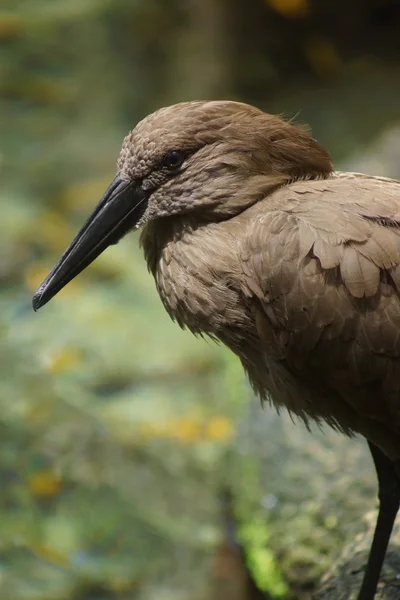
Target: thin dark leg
[389,498]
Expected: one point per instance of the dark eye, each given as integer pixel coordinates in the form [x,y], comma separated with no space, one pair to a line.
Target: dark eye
[173,159]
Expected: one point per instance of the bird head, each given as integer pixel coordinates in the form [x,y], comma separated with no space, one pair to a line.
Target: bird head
[208,159]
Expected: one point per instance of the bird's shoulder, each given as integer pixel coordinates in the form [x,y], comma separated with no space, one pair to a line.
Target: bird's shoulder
[346,227]
[321,273]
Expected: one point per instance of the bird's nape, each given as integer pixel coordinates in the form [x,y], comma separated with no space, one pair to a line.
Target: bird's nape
[119,210]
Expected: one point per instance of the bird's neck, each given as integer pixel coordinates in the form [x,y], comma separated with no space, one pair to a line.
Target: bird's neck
[191,265]
[159,235]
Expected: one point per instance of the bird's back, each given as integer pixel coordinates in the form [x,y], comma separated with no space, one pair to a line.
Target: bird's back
[321,266]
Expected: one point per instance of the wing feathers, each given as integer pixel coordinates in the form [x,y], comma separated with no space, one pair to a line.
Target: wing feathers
[325,269]
[360,275]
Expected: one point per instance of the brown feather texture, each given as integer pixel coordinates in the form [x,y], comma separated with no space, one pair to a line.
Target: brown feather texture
[293,266]
[255,241]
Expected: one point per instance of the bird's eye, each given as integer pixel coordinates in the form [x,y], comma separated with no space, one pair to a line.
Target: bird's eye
[173,159]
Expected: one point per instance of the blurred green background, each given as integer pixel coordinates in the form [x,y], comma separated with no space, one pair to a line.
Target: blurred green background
[119,432]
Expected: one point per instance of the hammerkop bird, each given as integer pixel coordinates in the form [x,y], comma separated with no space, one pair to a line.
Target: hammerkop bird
[254,240]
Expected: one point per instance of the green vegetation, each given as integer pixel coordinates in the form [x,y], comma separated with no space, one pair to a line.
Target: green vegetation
[118,430]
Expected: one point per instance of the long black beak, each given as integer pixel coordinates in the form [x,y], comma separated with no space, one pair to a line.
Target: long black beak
[119,210]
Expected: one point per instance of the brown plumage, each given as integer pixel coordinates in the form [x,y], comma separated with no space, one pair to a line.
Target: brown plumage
[253,240]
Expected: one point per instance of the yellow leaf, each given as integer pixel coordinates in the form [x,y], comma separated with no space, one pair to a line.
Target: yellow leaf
[84,194]
[63,360]
[289,8]
[55,231]
[35,273]
[154,430]
[186,430]
[49,554]
[219,428]
[44,484]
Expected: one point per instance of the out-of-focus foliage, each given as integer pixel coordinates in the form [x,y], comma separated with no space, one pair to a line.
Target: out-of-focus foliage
[118,430]
[94,440]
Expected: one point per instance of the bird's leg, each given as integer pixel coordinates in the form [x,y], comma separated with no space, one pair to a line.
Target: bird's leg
[389,498]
